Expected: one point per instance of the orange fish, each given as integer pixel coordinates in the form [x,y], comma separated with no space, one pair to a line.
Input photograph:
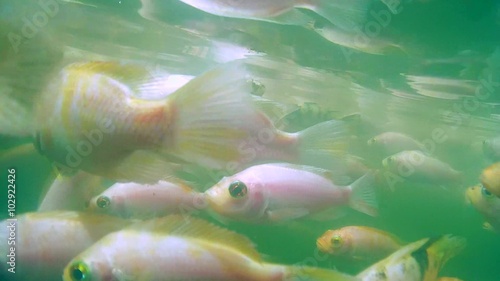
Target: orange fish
[358,242]
[490,178]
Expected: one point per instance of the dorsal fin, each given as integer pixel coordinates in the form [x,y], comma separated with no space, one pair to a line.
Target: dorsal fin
[315,170]
[188,227]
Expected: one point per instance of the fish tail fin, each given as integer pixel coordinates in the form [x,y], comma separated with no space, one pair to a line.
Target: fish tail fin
[211,114]
[326,138]
[439,251]
[363,196]
[315,274]
[346,14]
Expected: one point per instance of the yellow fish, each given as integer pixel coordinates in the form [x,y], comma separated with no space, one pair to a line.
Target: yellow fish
[490,178]
[419,261]
[487,204]
[95,117]
[182,248]
[358,242]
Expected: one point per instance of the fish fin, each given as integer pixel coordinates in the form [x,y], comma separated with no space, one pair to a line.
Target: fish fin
[363,196]
[189,227]
[15,118]
[487,226]
[346,14]
[275,111]
[311,169]
[287,214]
[329,214]
[329,137]
[316,274]
[434,254]
[213,111]
[144,167]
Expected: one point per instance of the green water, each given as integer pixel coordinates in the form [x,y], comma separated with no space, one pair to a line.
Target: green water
[442,39]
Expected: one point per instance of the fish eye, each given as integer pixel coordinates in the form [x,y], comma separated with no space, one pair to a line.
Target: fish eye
[258,89]
[237,189]
[390,159]
[38,142]
[103,202]
[485,192]
[336,241]
[79,271]
[372,141]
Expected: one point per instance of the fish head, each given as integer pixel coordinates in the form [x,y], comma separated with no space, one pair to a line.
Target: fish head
[334,242]
[490,178]
[491,148]
[483,200]
[237,198]
[85,270]
[392,162]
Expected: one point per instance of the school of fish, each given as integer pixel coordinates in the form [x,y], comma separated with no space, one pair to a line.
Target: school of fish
[199,139]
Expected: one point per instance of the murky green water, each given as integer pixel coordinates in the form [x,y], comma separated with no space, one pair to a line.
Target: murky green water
[439,70]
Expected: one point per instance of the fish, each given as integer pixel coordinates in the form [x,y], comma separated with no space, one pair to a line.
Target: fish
[416,166]
[487,204]
[91,118]
[71,192]
[278,192]
[394,142]
[143,201]
[182,248]
[46,241]
[418,261]
[491,148]
[358,242]
[490,178]
[345,14]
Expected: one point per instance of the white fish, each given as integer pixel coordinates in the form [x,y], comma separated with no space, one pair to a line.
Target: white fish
[46,242]
[343,13]
[417,166]
[280,192]
[491,148]
[182,248]
[394,142]
[133,200]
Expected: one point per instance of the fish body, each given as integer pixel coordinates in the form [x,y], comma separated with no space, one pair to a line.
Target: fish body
[181,248]
[418,261]
[93,117]
[345,14]
[278,192]
[417,166]
[358,242]
[486,203]
[47,241]
[490,178]
[133,200]
[394,142]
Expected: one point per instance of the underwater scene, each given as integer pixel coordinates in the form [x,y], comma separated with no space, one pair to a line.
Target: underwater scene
[168,140]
